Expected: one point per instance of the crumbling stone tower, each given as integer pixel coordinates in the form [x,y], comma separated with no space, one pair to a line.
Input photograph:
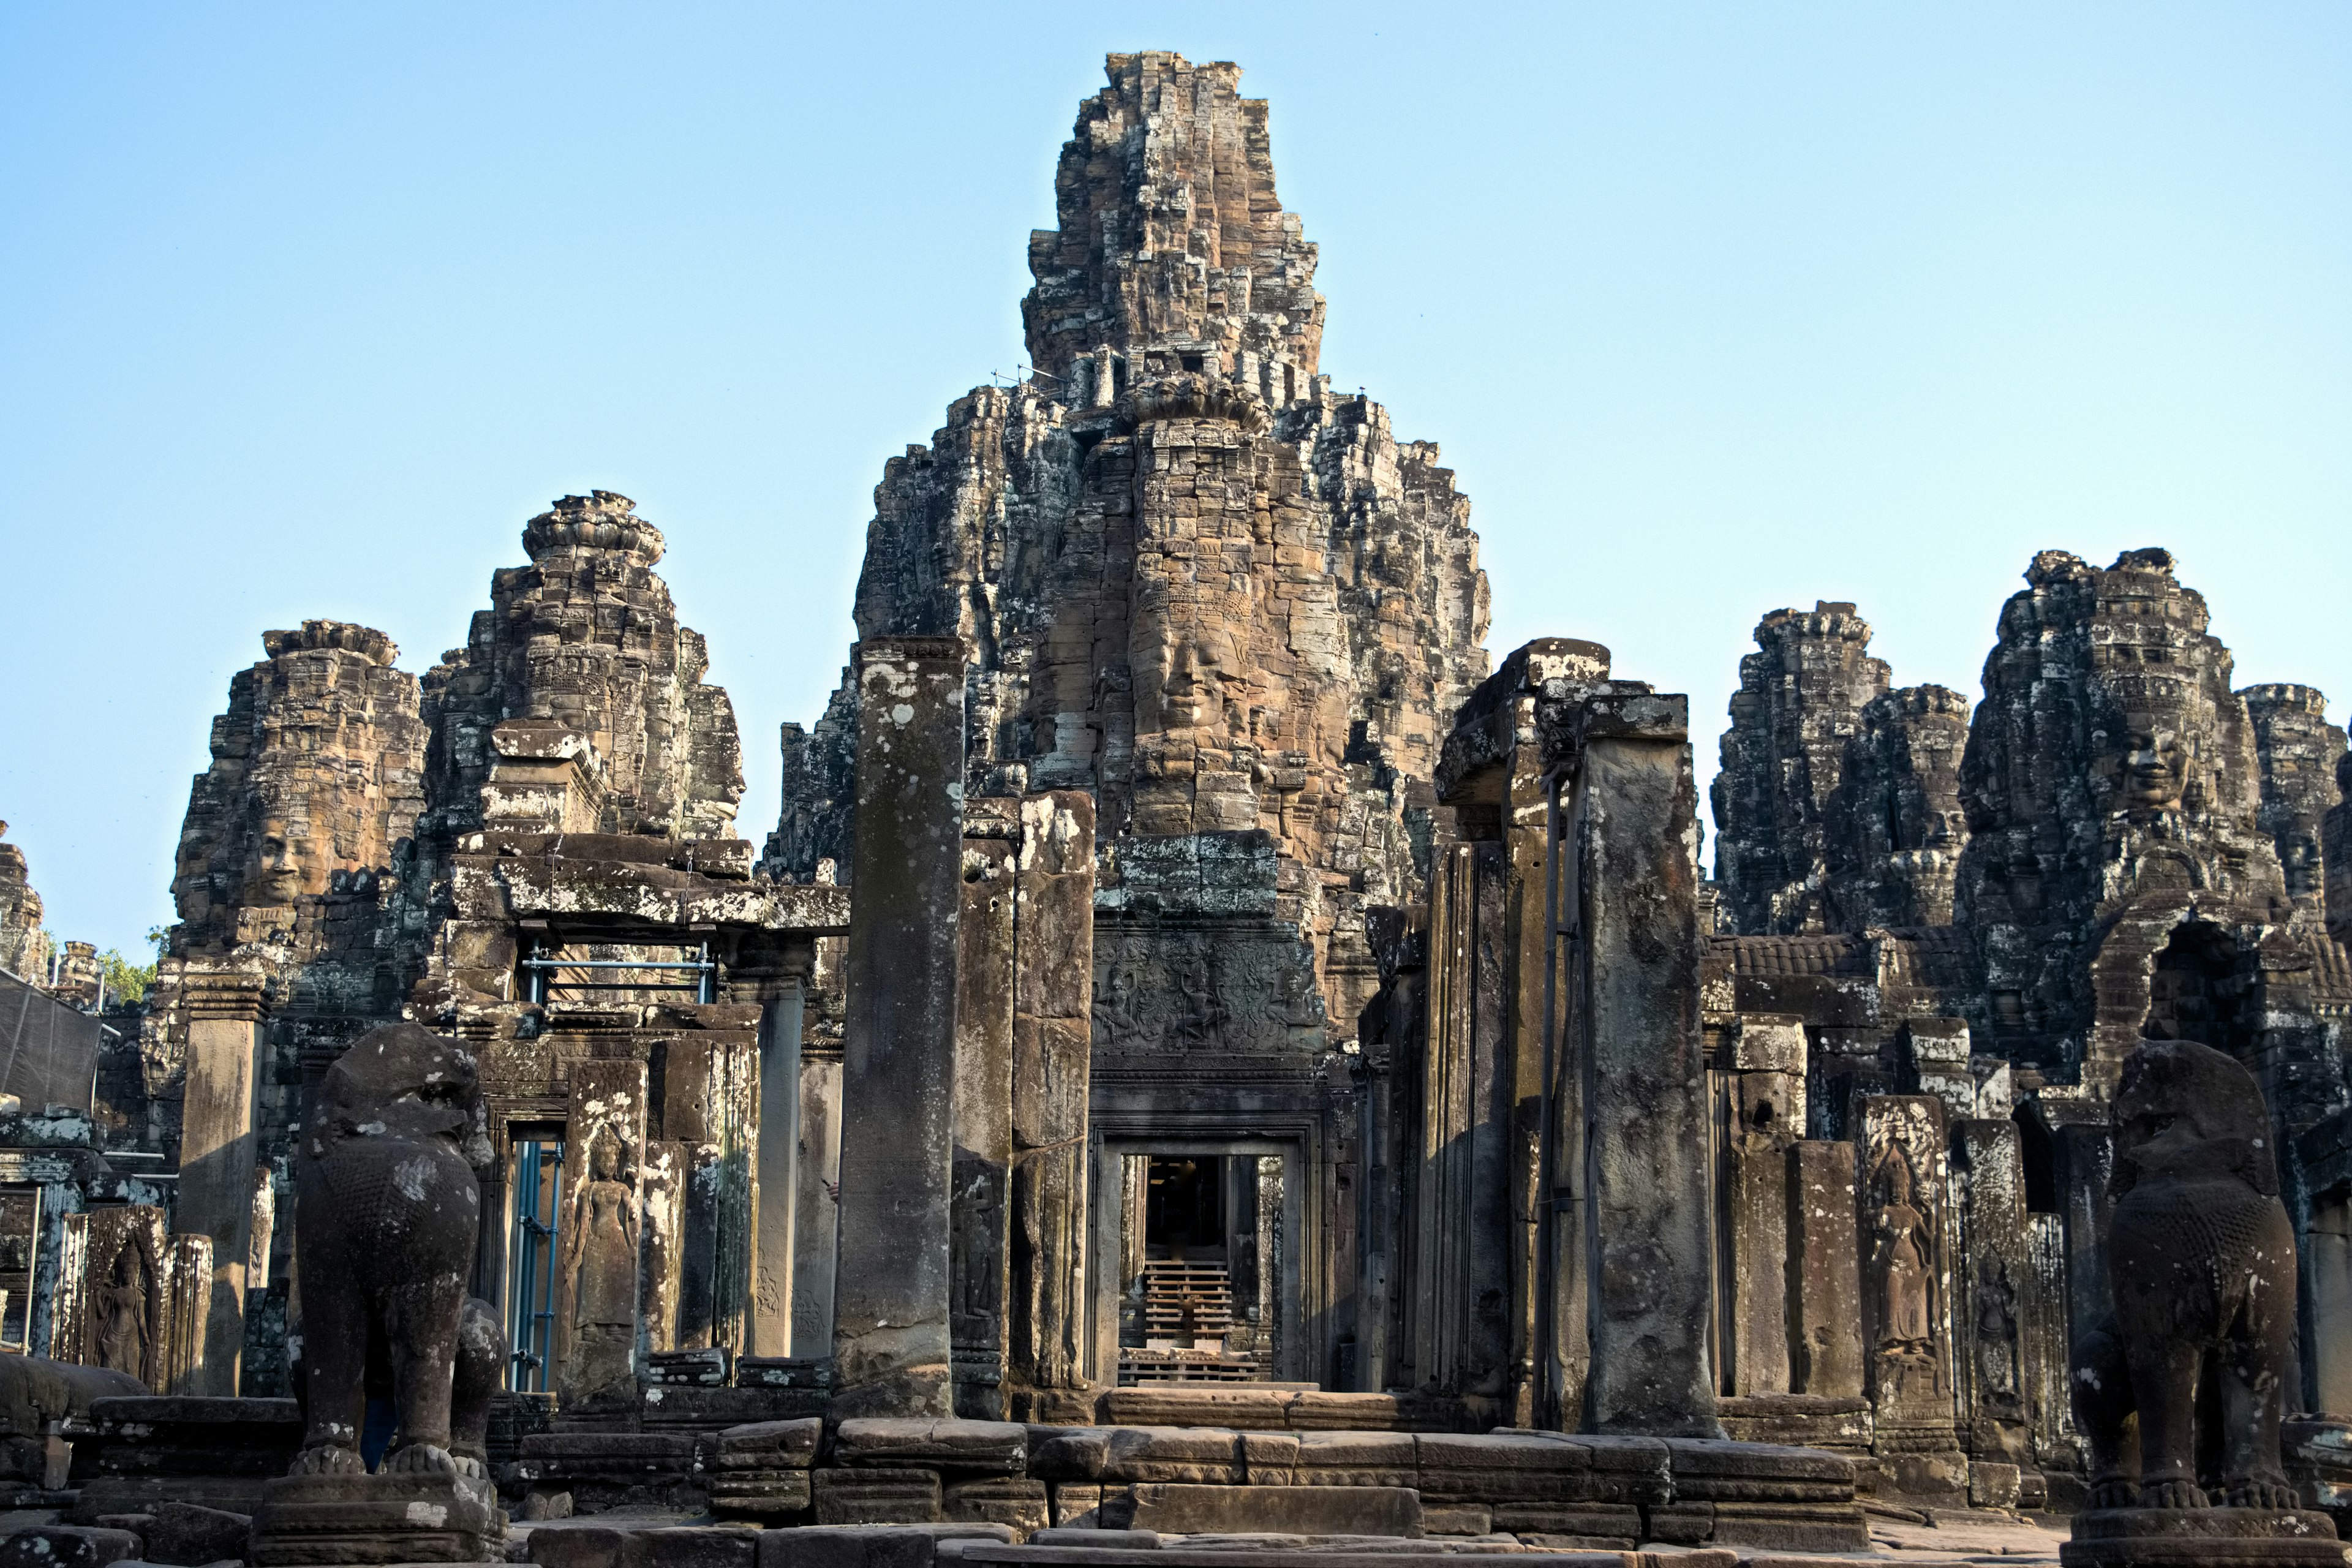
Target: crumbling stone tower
[23,950]
[1194,581]
[2297,749]
[2112,784]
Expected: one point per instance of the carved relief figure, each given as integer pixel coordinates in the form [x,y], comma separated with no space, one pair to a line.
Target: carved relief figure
[2201,1262]
[1903,1264]
[600,1258]
[124,1333]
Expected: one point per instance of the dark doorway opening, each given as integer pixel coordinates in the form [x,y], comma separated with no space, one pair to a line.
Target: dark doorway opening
[2197,991]
[1184,1209]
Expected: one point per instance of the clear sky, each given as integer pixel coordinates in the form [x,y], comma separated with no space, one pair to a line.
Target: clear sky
[305,309]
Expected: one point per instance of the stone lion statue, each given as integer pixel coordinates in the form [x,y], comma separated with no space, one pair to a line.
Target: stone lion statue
[387,1219]
[2201,1263]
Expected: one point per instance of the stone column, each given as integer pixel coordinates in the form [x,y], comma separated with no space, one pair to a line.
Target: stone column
[1052,1056]
[816,1204]
[217,1150]
[1636,1021]
[983,1105]
[777,1171]
[891,1346]
[1765,1110]
[1991,1294]
[1825,1265]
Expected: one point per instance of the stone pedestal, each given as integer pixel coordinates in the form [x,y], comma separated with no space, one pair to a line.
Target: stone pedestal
[2205,1537]
[892,1344]
[377,1519]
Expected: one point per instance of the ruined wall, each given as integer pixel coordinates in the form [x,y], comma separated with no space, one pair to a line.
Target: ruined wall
[1196,582]
[2110,780]
[2297,751]
[24,951]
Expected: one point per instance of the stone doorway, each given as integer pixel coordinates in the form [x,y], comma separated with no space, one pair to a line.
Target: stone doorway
[1202,1241]
[2198,991]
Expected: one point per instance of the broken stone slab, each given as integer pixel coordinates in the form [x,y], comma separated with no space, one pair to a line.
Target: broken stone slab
[708,1366]
[871,1546]
[1706,1471]
[1592,1520]
[142,1494]
[194,1435]
[1797,1420]
[1501,1467]
[1101,1540]
[377,1519]
[190,1535]
[876,1497]
[1017,1503]
[1249,1407]
[695,1406]
[1457,1518]
[1269,1458]
[653,1544]
[1075,1505]
[68,1546]
[557,1455]
[1792,1526]
[1069,1453]
[1315,1410]
[1178,1454]
[1189,1510]
[770,1494]
[2203,1537]
[1001,1447]
[1356,1459]
[771,1444]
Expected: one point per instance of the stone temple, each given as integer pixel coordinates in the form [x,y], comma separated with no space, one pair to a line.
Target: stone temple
[1207,1059]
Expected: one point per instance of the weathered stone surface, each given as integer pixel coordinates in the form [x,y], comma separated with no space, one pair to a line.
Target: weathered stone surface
[876,1495]
[994,1445]
[1297,1510]
[68,1546]
[417,1517]
[891,1333]
[766,1443]
[193,1535]
[1018,1504]
[1895,827]
[2224,1537]
[885,1546]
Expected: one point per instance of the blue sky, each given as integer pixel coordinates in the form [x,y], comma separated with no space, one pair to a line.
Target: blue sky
[304,309]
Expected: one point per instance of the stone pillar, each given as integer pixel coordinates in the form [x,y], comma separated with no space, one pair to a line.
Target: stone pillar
[2327,1277]
[1765,1110]
[1907,1292]
[777,1171]
[891,1345]
[1825,1265]
[662,1268]
[709,1103]
[1635,825]
[1053,1025]
[983,1105]
[1992,1294]
[599,1239]
[816,1204]
[218,1147]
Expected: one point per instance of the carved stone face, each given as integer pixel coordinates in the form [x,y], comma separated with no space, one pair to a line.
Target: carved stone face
[1183,674]
[276,869]
[2155,766]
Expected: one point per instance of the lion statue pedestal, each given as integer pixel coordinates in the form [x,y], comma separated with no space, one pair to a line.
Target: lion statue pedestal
[2181,1392]
[384,1235]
